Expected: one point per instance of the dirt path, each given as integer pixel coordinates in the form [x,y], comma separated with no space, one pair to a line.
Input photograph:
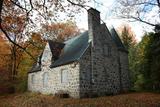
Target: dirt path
[38,100]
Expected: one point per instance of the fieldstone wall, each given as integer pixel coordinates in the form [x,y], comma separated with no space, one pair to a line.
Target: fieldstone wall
[104,57]
[54,82]
[102,69]
[85,74]
[105,74]
[125,76]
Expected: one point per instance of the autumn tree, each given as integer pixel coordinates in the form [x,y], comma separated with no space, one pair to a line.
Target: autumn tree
[34,45]
[5,63]
[18,19]
[128,38]
[61,31]
[14,26]
[144,62]
[36,13]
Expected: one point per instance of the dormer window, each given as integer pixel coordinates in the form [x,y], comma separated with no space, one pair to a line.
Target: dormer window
[56,48]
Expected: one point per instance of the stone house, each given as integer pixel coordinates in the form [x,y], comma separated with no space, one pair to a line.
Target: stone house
[92,63]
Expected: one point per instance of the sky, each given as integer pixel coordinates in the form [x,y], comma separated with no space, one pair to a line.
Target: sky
[137,27]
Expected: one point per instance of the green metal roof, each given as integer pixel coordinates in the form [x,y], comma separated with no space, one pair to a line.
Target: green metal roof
[73,50]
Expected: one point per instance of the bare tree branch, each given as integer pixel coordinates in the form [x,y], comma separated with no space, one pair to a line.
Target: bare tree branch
[82,6]
[24,49]
[7,36]
[137,19]
[127,4]
[76,4]
[138,10]
[19,5]
[30,1]
[28,18]
[158,1]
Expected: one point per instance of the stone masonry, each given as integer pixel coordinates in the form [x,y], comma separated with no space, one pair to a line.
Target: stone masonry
[101,70]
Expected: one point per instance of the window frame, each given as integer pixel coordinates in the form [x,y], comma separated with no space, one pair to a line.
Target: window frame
[64,79]
[33,79]
[45,79]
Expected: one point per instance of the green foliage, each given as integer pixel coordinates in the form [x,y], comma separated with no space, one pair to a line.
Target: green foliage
[129,41]
[146,64]
[144,48]
[35,46]
[144,60]
[139,83]
[127,37]
[21,86]
[132,56]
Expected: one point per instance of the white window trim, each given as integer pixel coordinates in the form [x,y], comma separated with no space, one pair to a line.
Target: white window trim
[45,79]
[64,80]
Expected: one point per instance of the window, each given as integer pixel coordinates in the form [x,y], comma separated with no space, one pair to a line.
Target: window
[107,50]
[45,79]
[33,79]
[64,76]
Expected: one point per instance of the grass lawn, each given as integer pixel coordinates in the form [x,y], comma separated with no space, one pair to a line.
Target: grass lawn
[38,100]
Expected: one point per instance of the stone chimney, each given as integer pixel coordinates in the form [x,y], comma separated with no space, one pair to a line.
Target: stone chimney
[93,22]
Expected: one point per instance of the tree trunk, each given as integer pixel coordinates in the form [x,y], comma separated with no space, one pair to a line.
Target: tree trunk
[14,55]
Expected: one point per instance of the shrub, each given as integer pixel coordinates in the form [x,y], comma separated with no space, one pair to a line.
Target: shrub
[21,85]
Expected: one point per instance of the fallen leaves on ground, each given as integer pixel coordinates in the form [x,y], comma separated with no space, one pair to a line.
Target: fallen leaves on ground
[39,100]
